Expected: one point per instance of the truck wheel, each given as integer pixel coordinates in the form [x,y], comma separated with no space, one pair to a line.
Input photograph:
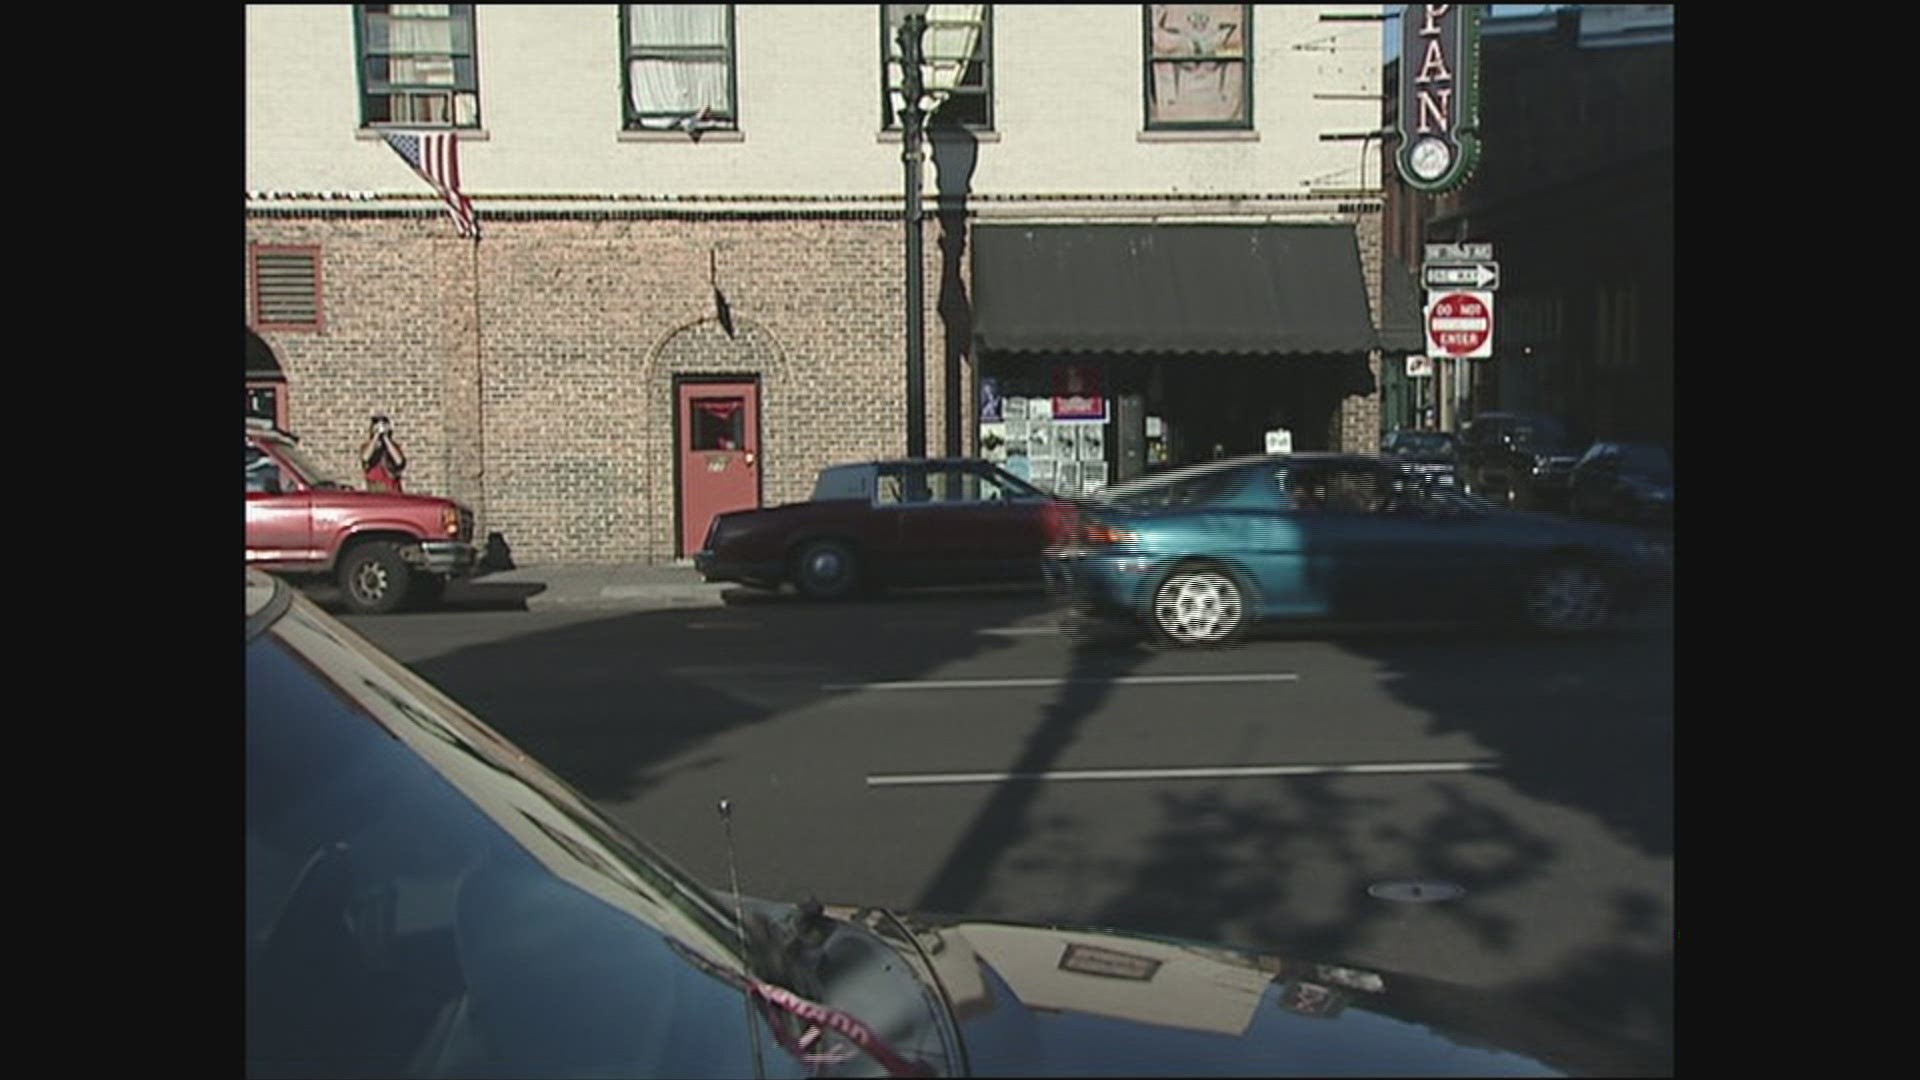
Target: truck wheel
[374,578]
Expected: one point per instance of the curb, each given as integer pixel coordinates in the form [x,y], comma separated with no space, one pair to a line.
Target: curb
[633,596]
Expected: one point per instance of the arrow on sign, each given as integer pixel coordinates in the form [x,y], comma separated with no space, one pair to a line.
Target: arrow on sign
[1483,275]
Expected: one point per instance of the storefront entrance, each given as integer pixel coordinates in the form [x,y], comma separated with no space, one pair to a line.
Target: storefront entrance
[1162,412]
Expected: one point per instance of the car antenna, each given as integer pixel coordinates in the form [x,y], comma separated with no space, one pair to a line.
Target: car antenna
[740,927]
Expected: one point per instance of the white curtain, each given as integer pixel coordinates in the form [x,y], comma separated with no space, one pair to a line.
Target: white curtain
[677,25]
[681,87]
[431,31]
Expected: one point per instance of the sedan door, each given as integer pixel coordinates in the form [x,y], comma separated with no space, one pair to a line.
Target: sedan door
[953,535]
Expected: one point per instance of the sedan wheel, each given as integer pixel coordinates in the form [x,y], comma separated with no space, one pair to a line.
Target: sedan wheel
[826,570]
[1568,598]
[1199,607]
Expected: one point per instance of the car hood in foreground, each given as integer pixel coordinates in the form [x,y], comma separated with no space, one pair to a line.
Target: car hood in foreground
[1051,1001]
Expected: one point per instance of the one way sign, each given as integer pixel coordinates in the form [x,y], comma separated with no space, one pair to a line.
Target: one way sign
[1484,276]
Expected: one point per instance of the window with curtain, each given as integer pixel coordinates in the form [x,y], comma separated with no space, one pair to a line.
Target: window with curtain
[680,66]
[1199,66]
[958,49]
[417,65]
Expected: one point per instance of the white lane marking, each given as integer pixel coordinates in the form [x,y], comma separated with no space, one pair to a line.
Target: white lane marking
[723,626]
[1019,631]
[1025,684]
[1223,773]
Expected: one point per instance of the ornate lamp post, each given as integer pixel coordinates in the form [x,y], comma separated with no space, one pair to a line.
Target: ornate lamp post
[913,119]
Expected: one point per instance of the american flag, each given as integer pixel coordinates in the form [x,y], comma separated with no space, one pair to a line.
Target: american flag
[436,157]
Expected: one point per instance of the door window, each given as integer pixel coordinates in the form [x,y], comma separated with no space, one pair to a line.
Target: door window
[719,423]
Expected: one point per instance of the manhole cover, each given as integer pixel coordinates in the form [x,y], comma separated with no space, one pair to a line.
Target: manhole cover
[1416,892]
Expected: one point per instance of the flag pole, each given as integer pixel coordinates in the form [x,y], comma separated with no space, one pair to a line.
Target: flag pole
[480,385]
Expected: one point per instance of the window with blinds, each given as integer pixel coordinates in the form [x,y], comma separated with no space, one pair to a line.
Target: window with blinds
[286,287]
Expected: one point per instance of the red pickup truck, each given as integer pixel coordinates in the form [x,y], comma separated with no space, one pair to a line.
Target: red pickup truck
[384,549]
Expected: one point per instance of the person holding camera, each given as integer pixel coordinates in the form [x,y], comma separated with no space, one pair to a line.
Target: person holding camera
[382,456]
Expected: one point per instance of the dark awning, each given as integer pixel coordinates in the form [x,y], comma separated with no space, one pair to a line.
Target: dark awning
[1400,323]
[261,362]
[1170,289]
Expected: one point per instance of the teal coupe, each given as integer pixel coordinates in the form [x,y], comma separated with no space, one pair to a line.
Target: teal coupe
[1200,555]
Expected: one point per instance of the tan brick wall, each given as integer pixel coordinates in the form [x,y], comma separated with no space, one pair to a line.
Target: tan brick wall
[1360,415]
[583,325]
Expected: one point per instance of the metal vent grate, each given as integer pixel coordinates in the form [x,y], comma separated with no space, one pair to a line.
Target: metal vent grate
[287,287]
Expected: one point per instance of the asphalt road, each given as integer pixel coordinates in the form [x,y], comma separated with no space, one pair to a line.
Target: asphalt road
[996,769]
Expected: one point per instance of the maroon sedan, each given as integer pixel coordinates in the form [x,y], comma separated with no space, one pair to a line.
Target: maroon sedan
[906,522]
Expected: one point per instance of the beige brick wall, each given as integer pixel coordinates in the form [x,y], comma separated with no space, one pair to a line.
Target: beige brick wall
[1360,415]
[584,324]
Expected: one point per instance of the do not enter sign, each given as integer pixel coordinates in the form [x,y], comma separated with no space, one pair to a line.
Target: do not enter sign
[1461,324]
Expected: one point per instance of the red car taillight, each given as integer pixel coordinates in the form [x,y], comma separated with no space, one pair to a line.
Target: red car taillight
[1099,535]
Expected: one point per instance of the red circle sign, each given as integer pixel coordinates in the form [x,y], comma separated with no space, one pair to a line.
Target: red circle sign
[1459,324]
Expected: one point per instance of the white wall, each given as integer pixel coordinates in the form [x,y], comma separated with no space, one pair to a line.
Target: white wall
[1067,109]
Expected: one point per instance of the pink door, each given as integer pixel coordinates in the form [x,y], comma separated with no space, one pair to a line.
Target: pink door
[719,455]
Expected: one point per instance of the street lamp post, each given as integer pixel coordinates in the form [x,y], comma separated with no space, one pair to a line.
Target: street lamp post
[913,120]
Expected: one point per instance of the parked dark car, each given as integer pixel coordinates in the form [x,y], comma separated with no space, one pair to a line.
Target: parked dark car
[1626,482]
[1433,455]
[880,523]
[1518,460]
[425,900]
[1199,556]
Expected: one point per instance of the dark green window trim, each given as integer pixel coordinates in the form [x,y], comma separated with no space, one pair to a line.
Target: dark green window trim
[634,119]
[379,91]
[890,51]
[1245,60]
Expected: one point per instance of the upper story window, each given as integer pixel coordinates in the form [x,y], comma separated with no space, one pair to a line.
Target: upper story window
[417,65]
[958,49]
[1199,66]
[680,70]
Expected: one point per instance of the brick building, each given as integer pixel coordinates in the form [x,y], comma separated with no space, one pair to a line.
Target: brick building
[1575,191]
[690,271]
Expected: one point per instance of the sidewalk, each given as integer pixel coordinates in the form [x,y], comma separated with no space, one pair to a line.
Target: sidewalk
[625,585]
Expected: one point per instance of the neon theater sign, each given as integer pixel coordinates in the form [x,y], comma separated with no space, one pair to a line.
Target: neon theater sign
[1439,92]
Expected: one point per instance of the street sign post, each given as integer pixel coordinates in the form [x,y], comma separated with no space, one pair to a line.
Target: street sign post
[1483,275]
[1460,324]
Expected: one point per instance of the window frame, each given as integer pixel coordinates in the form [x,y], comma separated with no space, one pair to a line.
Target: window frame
[890,121]
[319,323]
[363,58]
[1245,60]
[631,118]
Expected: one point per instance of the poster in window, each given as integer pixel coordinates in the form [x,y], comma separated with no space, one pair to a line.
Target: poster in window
[1093,476]
[1040,408]
[990,401]
[1066,477]
[1016,429]
[1040,440]
[1066,443]
[1041,472]
[1093,443]
[993,442]
[1014,408]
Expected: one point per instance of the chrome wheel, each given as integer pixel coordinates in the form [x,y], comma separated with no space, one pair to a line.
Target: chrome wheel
[1198,607]
[370,582]
[1569,598]
[826,570]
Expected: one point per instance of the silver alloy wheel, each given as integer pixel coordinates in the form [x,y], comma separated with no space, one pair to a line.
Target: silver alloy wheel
[1568,599]
[1198,607]
[370,581]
